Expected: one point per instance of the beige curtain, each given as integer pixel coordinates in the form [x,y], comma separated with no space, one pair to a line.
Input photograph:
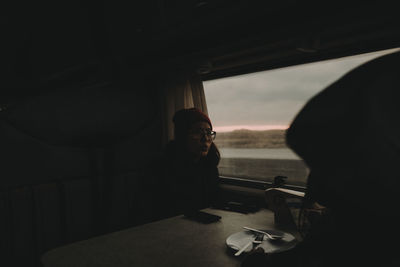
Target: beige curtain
[180,90]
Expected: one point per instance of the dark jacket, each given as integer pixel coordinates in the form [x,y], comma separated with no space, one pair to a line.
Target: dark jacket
[186,186]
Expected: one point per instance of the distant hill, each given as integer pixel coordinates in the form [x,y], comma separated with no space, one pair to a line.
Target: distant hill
[251,139]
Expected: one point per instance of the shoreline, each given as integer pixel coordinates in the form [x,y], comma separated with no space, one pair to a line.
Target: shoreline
[265,169]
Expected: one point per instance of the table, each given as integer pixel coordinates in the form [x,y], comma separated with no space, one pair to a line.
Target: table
[175,241]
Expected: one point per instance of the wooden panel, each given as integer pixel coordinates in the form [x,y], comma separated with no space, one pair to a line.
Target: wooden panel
[4,230]
[22,217]
[49,229]
[78,209]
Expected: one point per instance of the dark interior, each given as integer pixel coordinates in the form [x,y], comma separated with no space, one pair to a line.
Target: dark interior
[80,117]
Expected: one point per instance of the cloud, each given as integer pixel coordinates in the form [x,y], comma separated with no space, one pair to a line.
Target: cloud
[274,97]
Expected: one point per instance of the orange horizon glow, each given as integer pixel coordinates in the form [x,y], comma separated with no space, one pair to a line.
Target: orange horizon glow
[249,127]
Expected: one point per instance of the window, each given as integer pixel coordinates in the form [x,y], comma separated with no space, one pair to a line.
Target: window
[251,113]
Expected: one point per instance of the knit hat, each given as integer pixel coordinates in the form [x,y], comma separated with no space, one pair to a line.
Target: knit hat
[185,118]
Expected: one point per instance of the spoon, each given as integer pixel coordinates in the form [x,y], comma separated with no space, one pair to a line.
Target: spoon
[272,237]
[256,240]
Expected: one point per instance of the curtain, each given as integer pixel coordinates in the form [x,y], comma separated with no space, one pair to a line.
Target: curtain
[180,90]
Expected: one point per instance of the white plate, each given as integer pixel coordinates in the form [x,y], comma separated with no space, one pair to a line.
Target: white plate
[240,239]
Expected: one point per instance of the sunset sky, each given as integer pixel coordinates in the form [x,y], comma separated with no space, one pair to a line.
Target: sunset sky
[271,99]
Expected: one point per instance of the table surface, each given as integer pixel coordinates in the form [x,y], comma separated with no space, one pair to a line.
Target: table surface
[175,241]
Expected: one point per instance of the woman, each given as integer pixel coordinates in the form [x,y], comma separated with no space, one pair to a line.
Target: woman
[190,164]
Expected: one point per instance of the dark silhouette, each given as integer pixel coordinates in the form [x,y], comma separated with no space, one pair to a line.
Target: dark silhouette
[349,136]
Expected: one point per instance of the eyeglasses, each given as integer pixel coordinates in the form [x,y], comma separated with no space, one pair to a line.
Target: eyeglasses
[200,133]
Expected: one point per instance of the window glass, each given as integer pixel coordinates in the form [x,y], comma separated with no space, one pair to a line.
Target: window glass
[251,113]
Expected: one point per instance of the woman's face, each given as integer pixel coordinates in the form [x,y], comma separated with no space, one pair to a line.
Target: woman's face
[198,141]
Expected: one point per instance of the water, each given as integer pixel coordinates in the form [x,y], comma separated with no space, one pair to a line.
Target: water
[263,164]
[258,153]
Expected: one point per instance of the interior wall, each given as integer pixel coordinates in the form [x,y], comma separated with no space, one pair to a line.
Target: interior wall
[26,160]
[66,159]
[47,196]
